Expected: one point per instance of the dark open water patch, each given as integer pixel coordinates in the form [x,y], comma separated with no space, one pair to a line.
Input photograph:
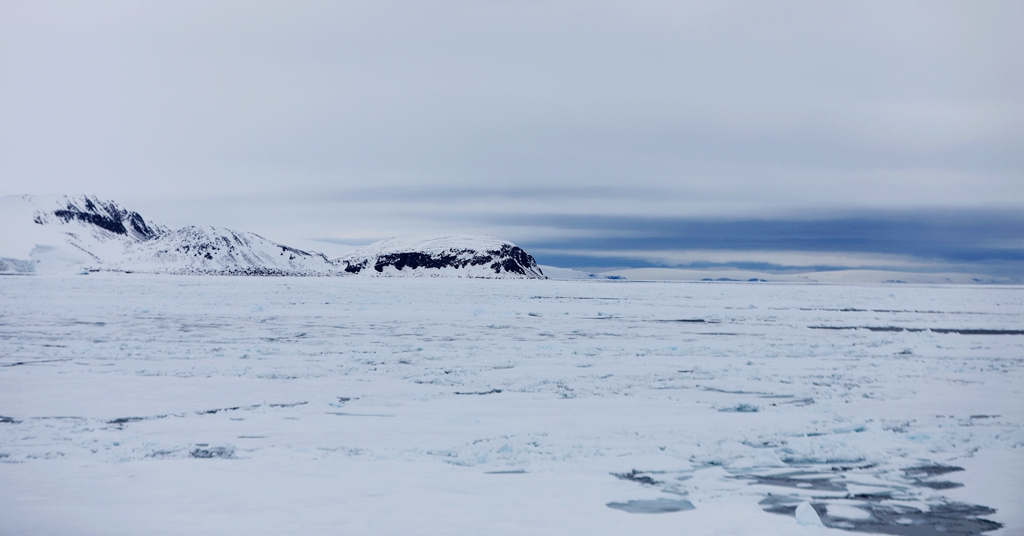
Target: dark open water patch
[763,395]
[925,471]
[205,452]
[290,405]
[886,511]
[789,399]
[855,310]
[897,329]
[33,362]
[491,392]
[215,411]
[576,298]
[656,506]
[8,420]
[938,484]
[798,402]
[741,408]
[951,518]
[808,481]
[121,421]
[345,414]
[638,477]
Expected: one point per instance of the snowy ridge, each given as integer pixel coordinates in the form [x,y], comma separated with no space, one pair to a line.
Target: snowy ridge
[219,251]
[53,234]
[64,233]
[106,215]
[447,256]
[68,234]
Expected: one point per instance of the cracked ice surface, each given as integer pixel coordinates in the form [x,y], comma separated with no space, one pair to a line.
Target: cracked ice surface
[229,405]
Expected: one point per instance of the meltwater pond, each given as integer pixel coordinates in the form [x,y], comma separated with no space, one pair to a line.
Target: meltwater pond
[231,405]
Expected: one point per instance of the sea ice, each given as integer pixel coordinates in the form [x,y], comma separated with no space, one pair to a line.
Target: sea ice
[152,404]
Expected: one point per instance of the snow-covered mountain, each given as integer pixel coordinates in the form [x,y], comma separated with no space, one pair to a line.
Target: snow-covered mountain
[220,251]
[61,234]
[446,256]
[83,233]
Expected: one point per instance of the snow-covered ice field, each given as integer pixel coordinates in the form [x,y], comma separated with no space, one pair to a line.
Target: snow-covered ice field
[140,404]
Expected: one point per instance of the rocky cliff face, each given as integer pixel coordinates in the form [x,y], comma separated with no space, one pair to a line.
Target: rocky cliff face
[106,215]
[447,256]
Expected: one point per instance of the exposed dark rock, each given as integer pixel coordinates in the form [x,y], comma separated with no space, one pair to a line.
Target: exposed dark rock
[504,259]
[106,215]
[511,259]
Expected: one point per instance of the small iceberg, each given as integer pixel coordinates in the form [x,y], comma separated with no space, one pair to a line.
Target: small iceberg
[806,515]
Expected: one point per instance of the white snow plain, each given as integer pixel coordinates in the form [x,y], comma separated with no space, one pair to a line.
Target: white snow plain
[149,404]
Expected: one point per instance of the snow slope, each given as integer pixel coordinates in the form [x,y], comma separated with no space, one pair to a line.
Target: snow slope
[447,256]
[219,251]
[66,233]
[59,234]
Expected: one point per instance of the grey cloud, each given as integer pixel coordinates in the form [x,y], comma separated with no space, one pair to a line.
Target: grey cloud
[352,119]
[984,241]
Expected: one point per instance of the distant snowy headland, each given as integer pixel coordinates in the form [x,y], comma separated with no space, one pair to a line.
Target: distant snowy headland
[62,234]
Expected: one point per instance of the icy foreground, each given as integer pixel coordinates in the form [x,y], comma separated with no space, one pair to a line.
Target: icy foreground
[67,234]
[142,404]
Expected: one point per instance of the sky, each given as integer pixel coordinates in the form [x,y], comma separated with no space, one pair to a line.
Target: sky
[772,135]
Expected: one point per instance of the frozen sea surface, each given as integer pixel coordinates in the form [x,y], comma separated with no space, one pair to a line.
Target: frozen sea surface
[134,404]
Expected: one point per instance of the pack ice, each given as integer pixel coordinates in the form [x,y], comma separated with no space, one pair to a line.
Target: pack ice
[160,404]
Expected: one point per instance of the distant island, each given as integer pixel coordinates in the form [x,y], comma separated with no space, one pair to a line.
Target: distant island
[69,234]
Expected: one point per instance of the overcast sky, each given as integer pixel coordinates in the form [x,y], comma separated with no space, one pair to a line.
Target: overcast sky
[598,133]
